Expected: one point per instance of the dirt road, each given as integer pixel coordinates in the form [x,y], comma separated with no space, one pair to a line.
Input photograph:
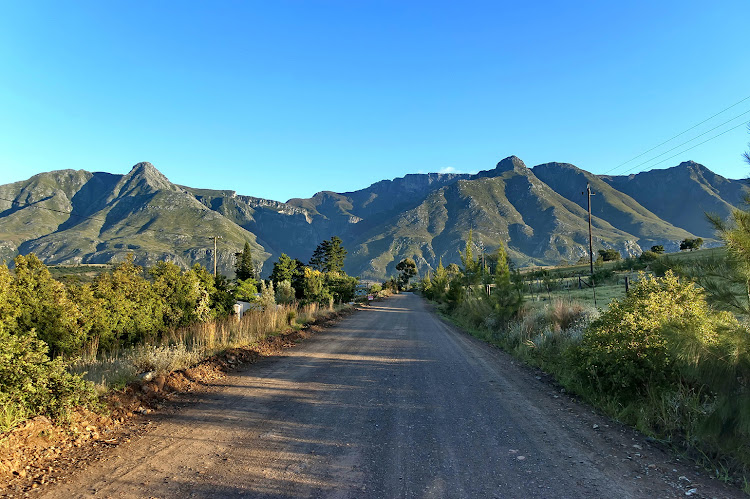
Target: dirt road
[391,402]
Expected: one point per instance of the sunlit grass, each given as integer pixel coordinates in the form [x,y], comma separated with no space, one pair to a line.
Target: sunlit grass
[186,347]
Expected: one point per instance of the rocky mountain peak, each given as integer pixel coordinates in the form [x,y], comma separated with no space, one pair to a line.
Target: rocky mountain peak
[686,164]
[145,175]
[510,163]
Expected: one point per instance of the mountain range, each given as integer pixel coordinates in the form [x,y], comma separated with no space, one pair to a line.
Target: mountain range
[539,214]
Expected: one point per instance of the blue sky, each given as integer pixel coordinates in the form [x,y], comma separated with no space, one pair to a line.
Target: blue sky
[281,99]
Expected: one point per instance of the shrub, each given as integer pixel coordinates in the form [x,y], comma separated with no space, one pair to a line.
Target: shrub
[649,256]
[31,384]
[246,290]
[562,315]
[163,359]
[602,275]
[630,349]
[284,293]
[456,293]
[267,296]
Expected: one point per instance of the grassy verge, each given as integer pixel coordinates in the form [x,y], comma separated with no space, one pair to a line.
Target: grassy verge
[188,346]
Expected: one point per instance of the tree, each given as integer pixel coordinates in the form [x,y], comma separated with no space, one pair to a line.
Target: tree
[408,269]
[267,296]
[506,297]
[453,270]
[221,301]
[502,269]
[691,244]
[648,256]
[472,268]
[298,280]
[391,285]
[9,301]
[440,284]
[184,298]
[133,310]
[426,286]
[609,254]
[329,256]
[246,291]
[318,258]
[284,269]
[335,255]
[243,267]
[46,307]
[341,286]
[658,249]
[314,290]
[727,280]
[456,292]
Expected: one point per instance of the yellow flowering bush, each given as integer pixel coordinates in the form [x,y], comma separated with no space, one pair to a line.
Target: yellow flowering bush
[633,346]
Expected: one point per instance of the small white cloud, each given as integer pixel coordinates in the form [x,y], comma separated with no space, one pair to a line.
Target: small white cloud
[448,169]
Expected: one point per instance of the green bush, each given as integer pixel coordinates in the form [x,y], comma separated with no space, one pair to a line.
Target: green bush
[649,256]
[602,275]
[456,293]
[631,349]
[32,384]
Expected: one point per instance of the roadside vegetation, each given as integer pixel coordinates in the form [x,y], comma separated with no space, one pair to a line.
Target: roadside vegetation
[66,341]
[670,357]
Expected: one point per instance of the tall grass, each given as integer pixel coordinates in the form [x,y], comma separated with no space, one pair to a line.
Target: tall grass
[185,347]
[539,334]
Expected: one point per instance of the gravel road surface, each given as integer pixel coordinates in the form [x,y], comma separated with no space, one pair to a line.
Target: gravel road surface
[390,402]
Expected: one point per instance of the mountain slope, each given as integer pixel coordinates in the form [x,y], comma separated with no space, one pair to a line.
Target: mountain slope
[609,204]
[81,217]
[683,194]
[510,204]
[539,214]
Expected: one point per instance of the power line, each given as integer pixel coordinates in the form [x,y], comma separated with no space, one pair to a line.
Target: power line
[682,133]
[696,145]
[688,141]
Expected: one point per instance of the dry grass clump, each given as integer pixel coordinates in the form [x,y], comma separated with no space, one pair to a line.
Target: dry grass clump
[184,347]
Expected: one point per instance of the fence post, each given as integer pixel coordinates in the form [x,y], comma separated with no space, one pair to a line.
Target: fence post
[627,284]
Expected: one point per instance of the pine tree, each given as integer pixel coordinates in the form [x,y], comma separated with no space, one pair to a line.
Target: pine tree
[329,256]
[335,255]
[502,270]
[319,259]
[472,269]
[244,268]
[441,280]
[284,269]
[506,297]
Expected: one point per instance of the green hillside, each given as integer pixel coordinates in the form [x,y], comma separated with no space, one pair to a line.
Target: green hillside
[71,217]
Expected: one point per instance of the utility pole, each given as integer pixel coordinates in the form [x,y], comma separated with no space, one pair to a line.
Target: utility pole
[215,238]
[591,245]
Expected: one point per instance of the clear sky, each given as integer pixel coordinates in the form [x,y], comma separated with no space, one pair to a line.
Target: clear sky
[281,99]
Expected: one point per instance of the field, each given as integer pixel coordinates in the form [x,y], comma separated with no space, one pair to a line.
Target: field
[570,283]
